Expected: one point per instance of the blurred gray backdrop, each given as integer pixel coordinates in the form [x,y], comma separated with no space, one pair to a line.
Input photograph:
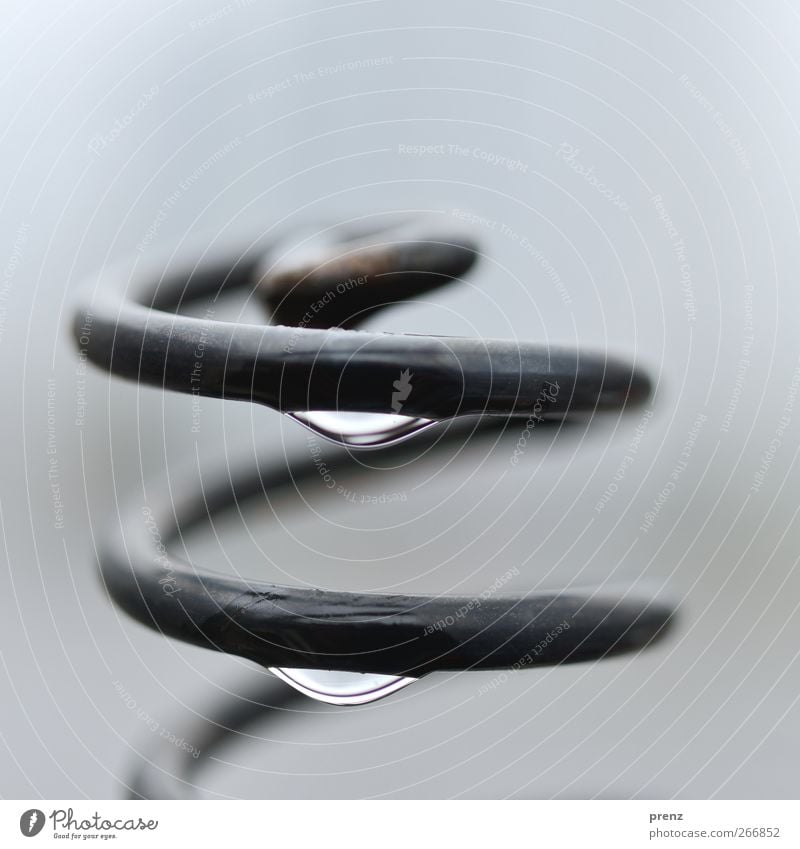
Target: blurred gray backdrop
[633,173]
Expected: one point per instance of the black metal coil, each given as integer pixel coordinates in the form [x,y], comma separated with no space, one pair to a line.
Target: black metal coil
[310,361]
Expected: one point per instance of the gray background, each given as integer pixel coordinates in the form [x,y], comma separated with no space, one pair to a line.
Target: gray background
[695,103]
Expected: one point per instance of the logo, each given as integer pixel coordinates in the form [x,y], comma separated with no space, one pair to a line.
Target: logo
[403,387]
[31,822]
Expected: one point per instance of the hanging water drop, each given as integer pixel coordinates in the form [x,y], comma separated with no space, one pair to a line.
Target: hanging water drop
[361,430]
[342,688]
[355,430]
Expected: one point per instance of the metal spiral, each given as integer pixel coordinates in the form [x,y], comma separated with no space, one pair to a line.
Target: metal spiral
[310,363]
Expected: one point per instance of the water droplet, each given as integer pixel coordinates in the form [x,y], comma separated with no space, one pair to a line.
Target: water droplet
[361,430]
[355,430]
[342,688]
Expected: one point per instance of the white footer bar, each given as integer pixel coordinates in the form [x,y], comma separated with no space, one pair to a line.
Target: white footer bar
[390,824]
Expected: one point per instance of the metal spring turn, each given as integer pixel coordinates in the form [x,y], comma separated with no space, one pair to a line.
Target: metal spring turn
[347,384]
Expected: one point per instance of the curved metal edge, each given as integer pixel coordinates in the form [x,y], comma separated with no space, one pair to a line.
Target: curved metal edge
[281,626]
[127,324]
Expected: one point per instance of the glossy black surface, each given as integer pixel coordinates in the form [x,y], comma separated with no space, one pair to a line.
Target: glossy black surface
[136,333]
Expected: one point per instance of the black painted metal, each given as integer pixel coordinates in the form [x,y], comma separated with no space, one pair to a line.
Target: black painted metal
[135,330]
[135,333]
[352,632]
